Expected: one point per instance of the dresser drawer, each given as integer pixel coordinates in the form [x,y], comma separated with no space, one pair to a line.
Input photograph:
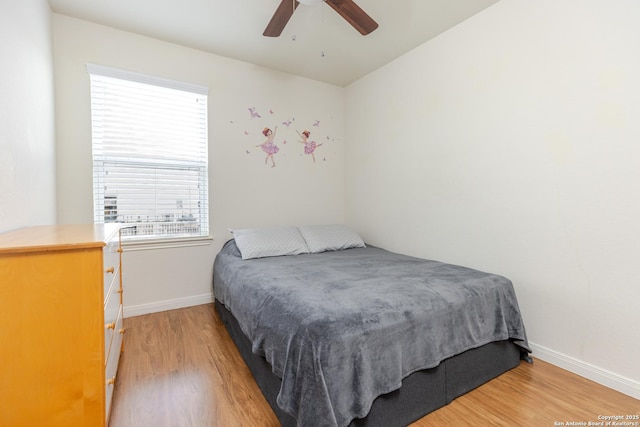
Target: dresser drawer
[112,362]
[112,307]
[111,256]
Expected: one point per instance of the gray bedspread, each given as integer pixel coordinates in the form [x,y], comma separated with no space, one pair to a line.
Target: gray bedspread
[341,328]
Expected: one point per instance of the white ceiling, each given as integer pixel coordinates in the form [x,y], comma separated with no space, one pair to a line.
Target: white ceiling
[316,43]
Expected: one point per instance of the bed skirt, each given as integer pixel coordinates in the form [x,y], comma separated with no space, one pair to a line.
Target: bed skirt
[421,393]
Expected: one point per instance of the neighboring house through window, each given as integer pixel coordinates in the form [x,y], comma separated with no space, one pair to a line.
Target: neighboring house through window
[149,139]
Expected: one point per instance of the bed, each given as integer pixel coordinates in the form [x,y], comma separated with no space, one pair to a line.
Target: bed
[340,333]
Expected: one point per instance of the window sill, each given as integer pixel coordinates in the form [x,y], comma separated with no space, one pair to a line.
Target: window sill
[178,242]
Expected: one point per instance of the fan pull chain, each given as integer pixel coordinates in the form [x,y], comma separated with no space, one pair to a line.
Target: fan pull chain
[293,9]
[322,9]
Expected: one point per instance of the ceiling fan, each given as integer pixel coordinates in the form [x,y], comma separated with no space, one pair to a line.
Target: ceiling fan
[350,11]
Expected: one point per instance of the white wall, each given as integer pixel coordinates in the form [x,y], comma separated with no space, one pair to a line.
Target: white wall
[511,144]
[243,191]
[27,143]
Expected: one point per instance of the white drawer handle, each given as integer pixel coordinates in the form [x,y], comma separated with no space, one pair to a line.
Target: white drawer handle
[110,270]
[110,325]
[121,331]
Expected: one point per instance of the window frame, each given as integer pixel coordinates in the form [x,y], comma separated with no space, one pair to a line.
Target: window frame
[155,240]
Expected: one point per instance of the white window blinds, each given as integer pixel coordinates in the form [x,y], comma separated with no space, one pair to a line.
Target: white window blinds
[149,139]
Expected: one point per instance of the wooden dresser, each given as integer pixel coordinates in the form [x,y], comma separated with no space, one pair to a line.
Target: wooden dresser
[60,324]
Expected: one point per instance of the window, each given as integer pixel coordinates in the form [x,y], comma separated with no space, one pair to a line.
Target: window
[149,139]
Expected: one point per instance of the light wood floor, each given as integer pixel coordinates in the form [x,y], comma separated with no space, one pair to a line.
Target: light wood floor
[180,368]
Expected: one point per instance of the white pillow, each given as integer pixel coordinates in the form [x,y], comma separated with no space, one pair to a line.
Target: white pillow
[333,237]
[269,241]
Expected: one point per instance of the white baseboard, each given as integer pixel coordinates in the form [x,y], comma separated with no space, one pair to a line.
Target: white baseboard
[586,370]
[154,307]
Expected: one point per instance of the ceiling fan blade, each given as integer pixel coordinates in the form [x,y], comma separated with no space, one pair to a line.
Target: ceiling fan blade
[354,15]
[280,18]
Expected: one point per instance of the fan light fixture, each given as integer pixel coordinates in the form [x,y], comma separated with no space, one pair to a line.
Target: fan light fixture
[310,2]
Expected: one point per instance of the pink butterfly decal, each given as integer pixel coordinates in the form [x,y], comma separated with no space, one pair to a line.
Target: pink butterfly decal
[254,113]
